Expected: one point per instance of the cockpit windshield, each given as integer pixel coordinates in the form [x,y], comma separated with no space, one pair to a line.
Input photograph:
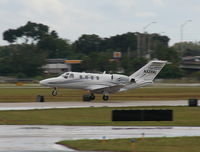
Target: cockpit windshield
[65,75]
[68,75]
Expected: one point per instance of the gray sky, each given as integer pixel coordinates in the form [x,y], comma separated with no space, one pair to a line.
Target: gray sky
[72,18]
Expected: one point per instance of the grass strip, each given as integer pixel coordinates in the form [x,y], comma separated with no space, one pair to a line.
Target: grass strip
[183,116]
[29,94]
[178,144]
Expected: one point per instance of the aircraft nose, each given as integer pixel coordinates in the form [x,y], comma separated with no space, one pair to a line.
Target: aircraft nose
[43,82]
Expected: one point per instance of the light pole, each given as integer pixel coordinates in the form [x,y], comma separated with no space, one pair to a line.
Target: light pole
[149,39]
[138,35]
[182,26]
[145,27]
[181,32]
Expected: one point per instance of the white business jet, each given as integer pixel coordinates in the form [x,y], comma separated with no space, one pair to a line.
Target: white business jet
[105,83]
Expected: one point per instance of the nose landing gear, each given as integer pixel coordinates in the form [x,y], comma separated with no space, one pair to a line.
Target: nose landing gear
[54,92]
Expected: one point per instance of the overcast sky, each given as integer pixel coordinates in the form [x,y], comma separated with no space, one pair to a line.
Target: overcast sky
[72,18]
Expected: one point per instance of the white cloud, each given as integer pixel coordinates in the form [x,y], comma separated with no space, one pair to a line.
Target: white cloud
[40,8]
[145,14]
[158,2]
[3,2]
[126,4]
[72,18]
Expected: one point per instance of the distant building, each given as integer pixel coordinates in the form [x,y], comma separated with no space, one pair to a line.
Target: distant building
[57,66]
[117,55]
[190,63]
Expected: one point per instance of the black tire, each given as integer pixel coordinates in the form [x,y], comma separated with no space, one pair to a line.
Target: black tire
[105,97]
[92,97]
[86,97]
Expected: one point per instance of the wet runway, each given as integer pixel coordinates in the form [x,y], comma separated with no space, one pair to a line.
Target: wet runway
[39,138]
[43,138]
[50,105]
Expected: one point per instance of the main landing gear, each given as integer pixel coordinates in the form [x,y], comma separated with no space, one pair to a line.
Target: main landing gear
[86,97]
[105,97]
[54,92]
[89,97]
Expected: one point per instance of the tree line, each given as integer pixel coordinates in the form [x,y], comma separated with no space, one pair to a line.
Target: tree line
[31,44]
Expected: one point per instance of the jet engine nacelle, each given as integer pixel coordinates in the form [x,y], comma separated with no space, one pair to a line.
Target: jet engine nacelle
[123,79]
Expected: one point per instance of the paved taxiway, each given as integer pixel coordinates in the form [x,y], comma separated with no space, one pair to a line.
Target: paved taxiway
[50,105]
[43,138]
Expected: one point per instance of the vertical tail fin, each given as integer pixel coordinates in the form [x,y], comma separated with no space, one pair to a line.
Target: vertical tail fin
[149,71]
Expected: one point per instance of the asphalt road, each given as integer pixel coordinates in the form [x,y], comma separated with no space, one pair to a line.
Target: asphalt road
[50,105]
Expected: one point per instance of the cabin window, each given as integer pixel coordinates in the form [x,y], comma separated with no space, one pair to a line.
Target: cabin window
[133,80]
[97,78]
[111,77]
[81,77]
[71,76]
[92,77]
[86,77]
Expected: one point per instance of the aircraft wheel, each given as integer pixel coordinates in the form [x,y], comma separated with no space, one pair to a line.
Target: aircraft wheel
[86,97]
[92,96]
[105,97]
[54,92]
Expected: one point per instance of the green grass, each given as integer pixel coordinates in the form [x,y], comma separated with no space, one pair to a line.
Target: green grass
[179,144]
[29,94]
[20,94]
[183,116]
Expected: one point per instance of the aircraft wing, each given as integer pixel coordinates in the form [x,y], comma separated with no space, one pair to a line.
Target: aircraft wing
[96,87]
[103,88]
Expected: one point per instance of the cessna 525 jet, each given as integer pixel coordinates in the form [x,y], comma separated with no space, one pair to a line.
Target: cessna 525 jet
[105,83]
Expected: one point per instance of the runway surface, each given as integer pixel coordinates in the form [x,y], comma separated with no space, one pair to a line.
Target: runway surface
[43,138]
[37,138]
[50,105]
